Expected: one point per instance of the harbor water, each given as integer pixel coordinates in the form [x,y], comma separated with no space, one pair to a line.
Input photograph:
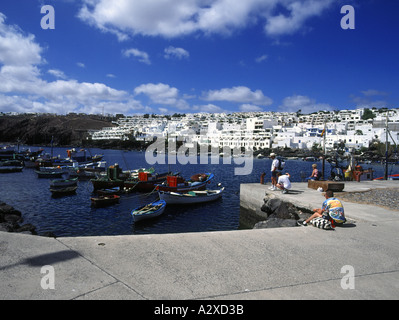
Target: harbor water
[73,215]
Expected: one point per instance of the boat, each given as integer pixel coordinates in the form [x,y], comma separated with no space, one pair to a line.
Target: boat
[63,183]
[178,184]
[111,180]
[57,192]
[106,200]
[390,177]
[191,197]
[10,169]
[47,160]
[110,191]
[49,174]
[151,210]
[146,182]
[81,157]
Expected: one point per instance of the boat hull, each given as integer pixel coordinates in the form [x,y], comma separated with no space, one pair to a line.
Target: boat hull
[49,174]
[145,186]
[63,183]
[104,201]
[140,214]
[106,184]
[59,192]
[187,186]
[192,197]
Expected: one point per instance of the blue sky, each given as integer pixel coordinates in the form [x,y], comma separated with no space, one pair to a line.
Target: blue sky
[168,56]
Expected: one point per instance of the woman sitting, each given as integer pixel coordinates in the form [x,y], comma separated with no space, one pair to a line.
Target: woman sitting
[315,173]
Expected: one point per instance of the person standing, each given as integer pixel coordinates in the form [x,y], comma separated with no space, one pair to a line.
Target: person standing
[274,170]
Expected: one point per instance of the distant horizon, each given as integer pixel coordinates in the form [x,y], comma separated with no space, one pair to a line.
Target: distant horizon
[185,113]
[190,56]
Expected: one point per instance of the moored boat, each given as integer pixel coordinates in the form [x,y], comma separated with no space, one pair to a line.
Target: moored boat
[58,192]
[49,174]
[191,197]
[151,210]
[110,191]
[105,200]
[178,184]
[145,182]
[10,169]
[63,183]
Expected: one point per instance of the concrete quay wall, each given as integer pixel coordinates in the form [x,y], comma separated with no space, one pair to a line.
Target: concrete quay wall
[281,263]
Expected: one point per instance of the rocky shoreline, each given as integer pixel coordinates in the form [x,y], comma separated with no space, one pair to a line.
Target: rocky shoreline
[11,219]
[387,198]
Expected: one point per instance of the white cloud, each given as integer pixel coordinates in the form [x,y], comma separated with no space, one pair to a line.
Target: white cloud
[238,94]
[208,108]
[303,103]
[178,53]
[17,49]
[173,18]
[22,88]
[163,94]
[140,55]
[373,92]
[299,12]
[371,98]
[163,110]
[250,108]
[81,64]
[57,73]
[261,58]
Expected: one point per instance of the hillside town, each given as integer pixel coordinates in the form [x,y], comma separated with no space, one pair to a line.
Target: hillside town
[353,129]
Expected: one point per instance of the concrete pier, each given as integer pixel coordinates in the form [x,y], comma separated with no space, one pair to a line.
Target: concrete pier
[282,263]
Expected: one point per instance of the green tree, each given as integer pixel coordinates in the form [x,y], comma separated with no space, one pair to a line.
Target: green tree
[368,114]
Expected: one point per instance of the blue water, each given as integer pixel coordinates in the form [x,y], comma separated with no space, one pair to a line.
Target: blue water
[74,216]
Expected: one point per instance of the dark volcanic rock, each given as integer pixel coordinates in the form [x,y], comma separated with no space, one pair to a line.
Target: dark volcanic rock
[10,220]
[280,214]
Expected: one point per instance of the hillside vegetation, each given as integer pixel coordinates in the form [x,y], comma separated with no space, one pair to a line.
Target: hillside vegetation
[41,129]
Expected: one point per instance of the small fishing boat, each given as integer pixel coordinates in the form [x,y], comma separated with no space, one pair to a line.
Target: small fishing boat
[152,210]
[145,182]
[106,200]
[178,184]
[110,191]
[191,197]
[11,165]
[49,174]
[10,169]
[63,183]
[58,192]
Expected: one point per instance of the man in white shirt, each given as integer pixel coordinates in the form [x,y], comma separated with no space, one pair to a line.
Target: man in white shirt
[283,183]
[274,171]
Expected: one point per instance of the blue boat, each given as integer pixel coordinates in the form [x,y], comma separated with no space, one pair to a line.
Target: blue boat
[151,210]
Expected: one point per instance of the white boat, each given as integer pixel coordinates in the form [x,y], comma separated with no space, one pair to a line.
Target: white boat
[195,196]
[151,210]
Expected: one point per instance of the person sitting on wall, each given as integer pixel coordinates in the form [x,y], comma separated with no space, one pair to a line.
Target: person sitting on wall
[331,209]
[316,174]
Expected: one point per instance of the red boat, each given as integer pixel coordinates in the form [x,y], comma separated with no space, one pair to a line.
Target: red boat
[146,181]
[178,184]
[103,201]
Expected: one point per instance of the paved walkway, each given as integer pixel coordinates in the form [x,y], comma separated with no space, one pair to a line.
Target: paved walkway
[284,263]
